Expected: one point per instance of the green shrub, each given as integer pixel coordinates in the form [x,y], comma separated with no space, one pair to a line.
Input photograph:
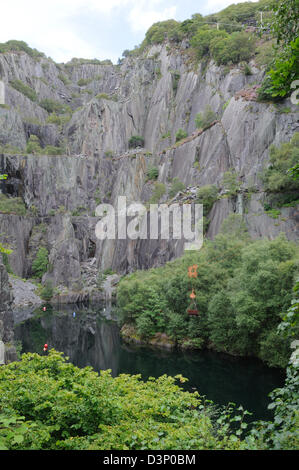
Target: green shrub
[40,263]
[152,173]
[176,186]
[53,106]
[53,118]
[237,47]
[52,150]
[33,145]
[181,134]
[15,46]
[47,291]
[12,205]
[276,177]
[48,403]
[230,182]
[64,79]
[207,195]
[24,89]
[136,141]
[84,81]
[161,30]
[202,40]
[203,120]
[175,80]
[158,192]
[283,71]
[242,288]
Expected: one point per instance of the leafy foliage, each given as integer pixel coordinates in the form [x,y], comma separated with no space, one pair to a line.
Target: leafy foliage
[158,192]
[176,186]
[236,315]
[279,182]
[152,173]
[285,67]
[19,46]
[207,195]
[47,291]
[40,263]
[230,182]
[181,134]
[48,403]
[203,120]
[12,205]
[33,145]
[24,89]
[136,141]
[53,106]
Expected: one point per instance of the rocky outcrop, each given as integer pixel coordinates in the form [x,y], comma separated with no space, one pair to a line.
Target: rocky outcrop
[107,105]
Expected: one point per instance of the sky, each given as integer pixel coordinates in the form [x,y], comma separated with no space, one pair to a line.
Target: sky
[101,29]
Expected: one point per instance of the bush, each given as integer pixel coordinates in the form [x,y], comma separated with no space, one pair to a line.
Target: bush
[230,183]
[152,173]
[181,134]
[203,120]
[40,263]
[237,47]
[33,145]
[283,71]
[241,290]
[176,186]
[47,291]
[159,191]
[276,177]
[207,195]
[136,141]
[24,89]
[52,150]
[15,46]
[202,40]
[12,205]
[49,404]
[53,106]
[59,120]
[158,32]
[84,81]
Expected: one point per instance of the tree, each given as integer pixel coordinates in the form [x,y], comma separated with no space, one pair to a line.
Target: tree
[203,120]
[207,195]
[285,67]
[136,141]
[181,134]
[40,264]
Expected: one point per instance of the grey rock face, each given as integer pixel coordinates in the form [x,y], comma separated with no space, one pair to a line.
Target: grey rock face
[113,104]
[6,316]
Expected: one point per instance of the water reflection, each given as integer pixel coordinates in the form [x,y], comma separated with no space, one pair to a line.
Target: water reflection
[91,339]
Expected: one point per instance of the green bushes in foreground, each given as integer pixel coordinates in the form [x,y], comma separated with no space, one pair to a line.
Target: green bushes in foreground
[47,403]
[242,287]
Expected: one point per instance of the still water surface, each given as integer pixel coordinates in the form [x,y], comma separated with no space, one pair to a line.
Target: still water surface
[92,339]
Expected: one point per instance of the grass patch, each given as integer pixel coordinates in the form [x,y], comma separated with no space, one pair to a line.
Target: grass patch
[12,205]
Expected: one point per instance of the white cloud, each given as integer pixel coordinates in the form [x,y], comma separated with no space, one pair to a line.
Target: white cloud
[52,25]
[213,6]
[141,18]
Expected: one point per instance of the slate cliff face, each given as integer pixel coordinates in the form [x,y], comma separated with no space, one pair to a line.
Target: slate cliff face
[153,95]
[6,316]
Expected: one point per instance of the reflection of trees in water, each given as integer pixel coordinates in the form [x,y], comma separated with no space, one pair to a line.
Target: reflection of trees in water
[83,339]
